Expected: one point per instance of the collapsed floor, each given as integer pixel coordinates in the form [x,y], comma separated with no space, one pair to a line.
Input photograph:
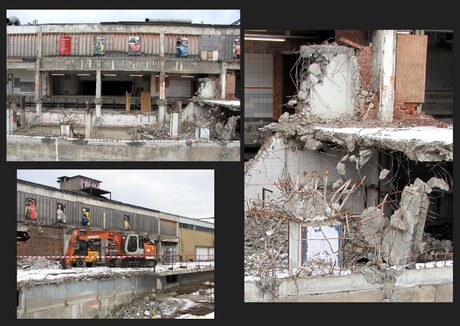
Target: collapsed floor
[385,192]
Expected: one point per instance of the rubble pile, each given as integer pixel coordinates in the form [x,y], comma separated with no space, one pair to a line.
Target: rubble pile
[196,300]
[265,245]
[148,133]
[37,263]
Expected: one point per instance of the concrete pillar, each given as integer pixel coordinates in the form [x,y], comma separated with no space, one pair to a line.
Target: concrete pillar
[174,125]
[23,112]
[37,92]
[153,86]
[223,79]
[387,75]
[162,100]
[162,103]
[98,99]
[9,120]
[88,123]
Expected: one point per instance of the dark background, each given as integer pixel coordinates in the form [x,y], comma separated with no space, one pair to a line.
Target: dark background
[229,193]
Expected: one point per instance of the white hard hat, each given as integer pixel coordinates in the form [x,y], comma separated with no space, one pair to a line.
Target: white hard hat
[184,39]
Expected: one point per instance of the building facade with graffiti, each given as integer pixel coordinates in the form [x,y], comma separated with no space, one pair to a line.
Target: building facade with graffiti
[81,203]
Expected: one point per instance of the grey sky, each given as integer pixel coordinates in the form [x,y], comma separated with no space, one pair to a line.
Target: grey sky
[205,16]
[186,192]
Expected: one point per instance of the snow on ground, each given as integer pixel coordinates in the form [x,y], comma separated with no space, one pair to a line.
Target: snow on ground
[344,272]
[42,269]
[196,301]
[421,134]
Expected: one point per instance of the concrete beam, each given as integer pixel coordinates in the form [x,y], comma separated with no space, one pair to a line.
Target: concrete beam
[138,28]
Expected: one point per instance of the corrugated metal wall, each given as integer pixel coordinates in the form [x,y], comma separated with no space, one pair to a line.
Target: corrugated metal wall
[21,46]
[46,214]
[168,227]
[82,44]
[193,43]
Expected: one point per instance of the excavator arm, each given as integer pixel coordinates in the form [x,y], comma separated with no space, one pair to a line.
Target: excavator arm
[65,262]
[89,234]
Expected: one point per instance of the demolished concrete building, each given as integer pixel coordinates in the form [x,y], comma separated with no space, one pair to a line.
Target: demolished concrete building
[73,89]
[350,195]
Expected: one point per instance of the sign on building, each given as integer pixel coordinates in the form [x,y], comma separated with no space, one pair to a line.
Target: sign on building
[134,43]
[99,45]
[64,45]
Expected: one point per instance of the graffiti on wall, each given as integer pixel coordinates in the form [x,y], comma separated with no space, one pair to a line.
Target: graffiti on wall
[134,43]
[126,222]
[99,45]
[60,213]
[31,209]
[85,215]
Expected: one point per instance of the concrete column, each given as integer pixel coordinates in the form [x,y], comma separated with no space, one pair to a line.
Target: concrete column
[223,79]
[38,87]
[88,123]
[10,118]
[23,112]
[174,125]
[98,99]
[162,98]
[162,45]
[387,75]
[153,85]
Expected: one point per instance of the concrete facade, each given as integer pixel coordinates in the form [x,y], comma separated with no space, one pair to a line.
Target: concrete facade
[96,298]
[22,148]
[51,76]
[424,285]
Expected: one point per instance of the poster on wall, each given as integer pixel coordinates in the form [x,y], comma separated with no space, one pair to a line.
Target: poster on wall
[31,209]
[85,214]
[236,48]
[126,222]
[64,45]
[99,45]
[134,43]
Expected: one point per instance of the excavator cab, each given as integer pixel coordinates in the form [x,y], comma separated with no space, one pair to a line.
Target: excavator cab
[88,256]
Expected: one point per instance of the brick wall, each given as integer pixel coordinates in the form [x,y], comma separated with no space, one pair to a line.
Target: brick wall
[356,35]
[190,239]
[44,241]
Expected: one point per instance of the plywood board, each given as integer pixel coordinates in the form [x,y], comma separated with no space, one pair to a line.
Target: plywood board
[146,102]
[230,85]
[410,68]
[127,101]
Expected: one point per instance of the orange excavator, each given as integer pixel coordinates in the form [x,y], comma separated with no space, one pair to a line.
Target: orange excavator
[128,249]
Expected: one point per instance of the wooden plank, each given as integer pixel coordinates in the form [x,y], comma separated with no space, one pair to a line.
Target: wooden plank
[146,102]
[230,86]
[410,68]
[127,101]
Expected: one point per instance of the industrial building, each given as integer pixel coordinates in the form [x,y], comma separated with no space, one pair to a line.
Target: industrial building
[349,165]
[79,198]
[145,90]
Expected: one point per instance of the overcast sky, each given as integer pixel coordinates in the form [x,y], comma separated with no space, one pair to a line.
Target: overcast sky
[185,192]
[205,16]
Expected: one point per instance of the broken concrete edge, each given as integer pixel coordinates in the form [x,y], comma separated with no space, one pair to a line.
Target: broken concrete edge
[385,282]
[302,128]
[75,277]
[187,141]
